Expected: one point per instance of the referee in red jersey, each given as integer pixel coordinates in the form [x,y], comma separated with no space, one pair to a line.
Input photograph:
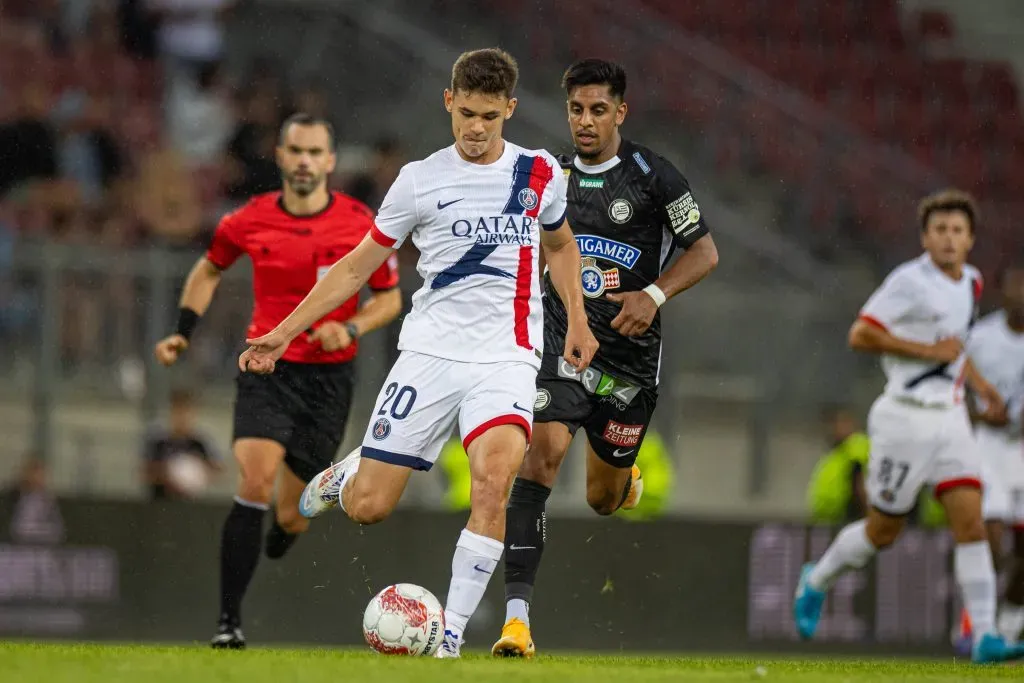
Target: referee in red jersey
[295,416]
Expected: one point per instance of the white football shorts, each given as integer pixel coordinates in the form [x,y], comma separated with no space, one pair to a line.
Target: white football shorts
[913,447]
[1002,472]
[424,396]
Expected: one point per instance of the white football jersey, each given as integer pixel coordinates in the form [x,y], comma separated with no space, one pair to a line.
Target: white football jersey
[998,354]
[478,231]
[920,303]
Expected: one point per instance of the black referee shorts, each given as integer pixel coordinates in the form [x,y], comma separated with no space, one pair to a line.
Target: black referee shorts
[302,406]
[615,424]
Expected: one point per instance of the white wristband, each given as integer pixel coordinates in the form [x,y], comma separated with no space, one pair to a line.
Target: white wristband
[655,293]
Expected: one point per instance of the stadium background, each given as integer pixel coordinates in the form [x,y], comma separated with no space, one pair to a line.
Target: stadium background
[808,130]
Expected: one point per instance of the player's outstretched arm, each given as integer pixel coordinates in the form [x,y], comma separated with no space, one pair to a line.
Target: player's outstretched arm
[380,309]
[639,308]
[563,260]
[201,283]
[344,279]
[868,336]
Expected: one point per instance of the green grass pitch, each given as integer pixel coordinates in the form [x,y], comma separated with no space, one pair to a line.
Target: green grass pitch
[87,663]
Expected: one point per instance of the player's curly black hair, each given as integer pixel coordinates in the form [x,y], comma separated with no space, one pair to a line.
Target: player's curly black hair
[948,200]
[490,71]
[596,72]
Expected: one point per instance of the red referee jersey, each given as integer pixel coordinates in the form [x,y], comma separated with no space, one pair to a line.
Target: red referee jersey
[289,254]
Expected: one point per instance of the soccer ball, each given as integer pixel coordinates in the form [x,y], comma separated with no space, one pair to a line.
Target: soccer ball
[404,619]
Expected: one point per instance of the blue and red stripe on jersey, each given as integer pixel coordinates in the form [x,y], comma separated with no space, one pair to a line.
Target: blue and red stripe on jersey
[528,172]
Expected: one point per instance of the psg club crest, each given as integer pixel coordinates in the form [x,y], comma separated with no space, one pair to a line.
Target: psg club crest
[381,429]
[528,198]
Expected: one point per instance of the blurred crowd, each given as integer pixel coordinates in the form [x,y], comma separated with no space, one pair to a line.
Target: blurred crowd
[120,127]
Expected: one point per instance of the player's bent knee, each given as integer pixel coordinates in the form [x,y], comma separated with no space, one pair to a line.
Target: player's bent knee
[883,529]
[368,509]
[971,530]
[256,488]
[603,504]
[541,464]
[493,489]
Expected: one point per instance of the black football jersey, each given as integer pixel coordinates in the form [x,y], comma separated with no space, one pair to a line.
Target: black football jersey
[628,220]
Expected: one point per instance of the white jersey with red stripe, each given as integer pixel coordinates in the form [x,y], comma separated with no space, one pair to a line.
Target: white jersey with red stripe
[477,228]
[918,302]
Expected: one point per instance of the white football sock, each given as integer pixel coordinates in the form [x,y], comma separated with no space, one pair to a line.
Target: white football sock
[517,608]
[851,549]
[1011,622]
[476,558]
[972,565]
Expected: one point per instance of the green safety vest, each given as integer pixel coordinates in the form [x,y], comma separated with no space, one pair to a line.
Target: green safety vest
[656,466]
[831,487]
[455,465]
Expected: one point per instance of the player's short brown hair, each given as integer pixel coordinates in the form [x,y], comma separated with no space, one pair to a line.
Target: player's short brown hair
[306,121]
[947,200]
[490,71]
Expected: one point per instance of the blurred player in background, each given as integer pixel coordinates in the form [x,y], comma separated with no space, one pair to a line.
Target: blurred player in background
[920,432]
[479,211]
[630,210]
[996,348]
[179,458]
[296,416]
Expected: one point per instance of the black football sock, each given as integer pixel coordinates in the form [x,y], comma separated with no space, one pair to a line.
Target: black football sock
[525,532]
[278,541]
[239,554]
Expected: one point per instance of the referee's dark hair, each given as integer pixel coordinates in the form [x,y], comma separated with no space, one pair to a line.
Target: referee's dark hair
[595,72]
[948,200]
[303,119]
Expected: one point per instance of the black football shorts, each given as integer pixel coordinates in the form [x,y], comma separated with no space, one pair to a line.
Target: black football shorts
[614,414]
[302,406]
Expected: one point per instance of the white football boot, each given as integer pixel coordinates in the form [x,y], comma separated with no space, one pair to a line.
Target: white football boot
[451,646]
[323,492]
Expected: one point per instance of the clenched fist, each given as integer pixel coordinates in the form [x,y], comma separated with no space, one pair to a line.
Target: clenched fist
[169,349]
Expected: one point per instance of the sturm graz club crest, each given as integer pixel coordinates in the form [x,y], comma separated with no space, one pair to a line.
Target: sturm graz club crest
[528,198]
[592,278]
[381,429]
[620,211]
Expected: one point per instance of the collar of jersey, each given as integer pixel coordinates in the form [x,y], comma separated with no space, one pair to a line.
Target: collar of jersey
[505,154]
[929,264]
[599,168]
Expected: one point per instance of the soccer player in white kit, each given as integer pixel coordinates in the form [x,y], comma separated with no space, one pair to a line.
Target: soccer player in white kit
[471,346]
[996,347]
[920,432]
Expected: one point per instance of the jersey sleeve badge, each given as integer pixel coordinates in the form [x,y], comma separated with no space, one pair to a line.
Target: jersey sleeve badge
[683,213]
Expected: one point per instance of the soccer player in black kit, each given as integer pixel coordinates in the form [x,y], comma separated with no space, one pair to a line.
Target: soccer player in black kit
[630,210]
